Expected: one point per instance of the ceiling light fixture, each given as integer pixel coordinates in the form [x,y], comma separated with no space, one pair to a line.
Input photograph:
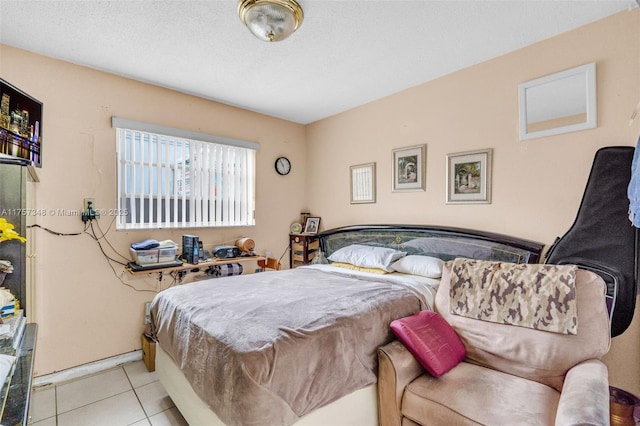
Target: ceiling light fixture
[270,20]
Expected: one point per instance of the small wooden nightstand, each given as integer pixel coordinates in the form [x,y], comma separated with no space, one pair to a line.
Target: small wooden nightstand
[302,249]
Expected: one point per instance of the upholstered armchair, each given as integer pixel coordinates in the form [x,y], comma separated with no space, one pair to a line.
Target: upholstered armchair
[511,374]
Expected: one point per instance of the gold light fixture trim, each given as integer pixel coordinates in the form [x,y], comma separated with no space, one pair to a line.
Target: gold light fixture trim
[271,20]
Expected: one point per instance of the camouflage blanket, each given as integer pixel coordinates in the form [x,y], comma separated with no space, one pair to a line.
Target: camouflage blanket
[537,296]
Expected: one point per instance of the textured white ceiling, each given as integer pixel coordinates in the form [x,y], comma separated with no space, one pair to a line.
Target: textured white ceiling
[345,54]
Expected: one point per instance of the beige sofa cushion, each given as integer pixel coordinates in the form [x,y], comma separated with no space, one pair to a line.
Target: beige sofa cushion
[474,395]
[541,356]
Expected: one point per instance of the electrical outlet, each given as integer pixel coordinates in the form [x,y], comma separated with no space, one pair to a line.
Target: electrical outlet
[89,202]
[89,212]
[268,254]
[147,312]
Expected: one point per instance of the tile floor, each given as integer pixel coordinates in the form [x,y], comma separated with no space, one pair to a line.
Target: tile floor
[122,396]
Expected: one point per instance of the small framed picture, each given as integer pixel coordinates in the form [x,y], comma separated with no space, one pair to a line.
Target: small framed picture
[469,177]
[409,171]
[312,225]
[363,183]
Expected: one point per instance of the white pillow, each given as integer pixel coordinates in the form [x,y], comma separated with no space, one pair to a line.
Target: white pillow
[426,266]
[367,256]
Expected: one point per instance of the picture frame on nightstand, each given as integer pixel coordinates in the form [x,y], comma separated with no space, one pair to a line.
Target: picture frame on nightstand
[312,225]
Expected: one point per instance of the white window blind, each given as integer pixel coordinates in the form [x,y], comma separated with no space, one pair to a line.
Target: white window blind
[171,178]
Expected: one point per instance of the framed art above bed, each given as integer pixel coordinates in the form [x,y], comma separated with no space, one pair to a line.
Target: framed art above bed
[409,168]
[469,177]
[363,183]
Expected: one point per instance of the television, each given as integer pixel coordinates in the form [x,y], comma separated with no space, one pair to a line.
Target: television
[20,124]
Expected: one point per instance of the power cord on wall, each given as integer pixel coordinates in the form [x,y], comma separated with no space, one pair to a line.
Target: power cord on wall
[59,234]
[109,259]
[103,236]
[97,238]
[283,253]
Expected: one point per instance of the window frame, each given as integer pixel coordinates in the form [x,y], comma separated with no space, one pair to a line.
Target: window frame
[222,195]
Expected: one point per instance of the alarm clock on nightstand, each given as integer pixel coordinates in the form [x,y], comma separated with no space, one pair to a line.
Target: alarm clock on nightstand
[295,228]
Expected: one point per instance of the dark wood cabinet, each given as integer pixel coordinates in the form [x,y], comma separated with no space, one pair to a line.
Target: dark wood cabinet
[302,249]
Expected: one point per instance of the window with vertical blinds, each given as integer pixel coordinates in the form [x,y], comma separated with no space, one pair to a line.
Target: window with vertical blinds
[172,178]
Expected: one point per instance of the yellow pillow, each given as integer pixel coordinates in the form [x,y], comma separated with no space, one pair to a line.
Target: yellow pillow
[359,268]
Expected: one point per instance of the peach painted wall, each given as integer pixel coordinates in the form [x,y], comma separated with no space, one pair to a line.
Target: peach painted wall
[86,311]
[537,184]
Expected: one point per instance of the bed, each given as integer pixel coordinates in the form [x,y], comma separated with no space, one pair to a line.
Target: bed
[299,346]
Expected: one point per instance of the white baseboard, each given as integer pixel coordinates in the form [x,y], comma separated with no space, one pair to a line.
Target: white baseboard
[86,369]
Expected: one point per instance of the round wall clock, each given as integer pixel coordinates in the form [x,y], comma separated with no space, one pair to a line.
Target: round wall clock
[283,166]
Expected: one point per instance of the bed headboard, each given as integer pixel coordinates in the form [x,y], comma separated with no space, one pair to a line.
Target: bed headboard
[437,241]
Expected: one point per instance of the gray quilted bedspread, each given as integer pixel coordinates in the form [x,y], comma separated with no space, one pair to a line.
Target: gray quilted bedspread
[267,348]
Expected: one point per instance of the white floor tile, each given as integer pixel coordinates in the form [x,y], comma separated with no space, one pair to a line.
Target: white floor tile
[120,410]
[170,417]
[51,421]
[106,399]
[154,398]
[138,374]
[42,404]
[94,388]
[143,422]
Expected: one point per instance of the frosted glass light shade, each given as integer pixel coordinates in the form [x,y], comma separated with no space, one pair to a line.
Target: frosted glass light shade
[270,20]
